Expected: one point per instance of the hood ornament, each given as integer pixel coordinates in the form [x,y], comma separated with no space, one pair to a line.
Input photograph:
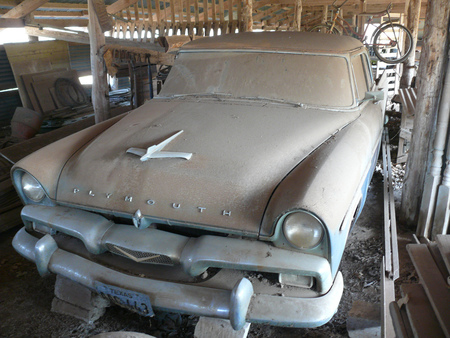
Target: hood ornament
[155,151]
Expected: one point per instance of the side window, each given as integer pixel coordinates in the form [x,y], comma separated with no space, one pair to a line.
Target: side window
[362,75]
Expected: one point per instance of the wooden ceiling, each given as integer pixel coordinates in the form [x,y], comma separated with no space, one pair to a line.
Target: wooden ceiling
[143,18]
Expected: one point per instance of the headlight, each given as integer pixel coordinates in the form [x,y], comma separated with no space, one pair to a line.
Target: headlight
[303,230]
[31,188]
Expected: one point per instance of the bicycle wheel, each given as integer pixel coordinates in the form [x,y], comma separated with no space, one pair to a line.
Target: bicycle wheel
[325,28]
[392,43]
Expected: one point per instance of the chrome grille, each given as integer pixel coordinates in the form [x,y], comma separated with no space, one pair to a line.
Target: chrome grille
[139,256]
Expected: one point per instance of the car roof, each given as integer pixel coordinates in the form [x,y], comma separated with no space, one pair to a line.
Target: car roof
[278,41]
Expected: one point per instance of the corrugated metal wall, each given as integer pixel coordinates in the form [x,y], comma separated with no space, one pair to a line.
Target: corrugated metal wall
[9,99]
[79,56]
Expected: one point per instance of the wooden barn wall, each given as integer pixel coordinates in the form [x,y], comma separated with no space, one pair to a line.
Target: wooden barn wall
[27,58]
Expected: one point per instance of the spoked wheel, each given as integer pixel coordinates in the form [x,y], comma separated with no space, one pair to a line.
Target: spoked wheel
[392,43]
[325,28]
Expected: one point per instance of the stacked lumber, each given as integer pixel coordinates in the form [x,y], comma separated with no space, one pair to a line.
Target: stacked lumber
[424,309]
[42,90]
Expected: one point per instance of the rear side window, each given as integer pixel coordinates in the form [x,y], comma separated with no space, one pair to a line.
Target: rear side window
[363,78]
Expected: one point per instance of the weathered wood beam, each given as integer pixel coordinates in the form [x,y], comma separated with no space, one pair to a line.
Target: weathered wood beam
[298,15]
[268,12]
[247,15]
[39,13]
[23,9]
[429,82]
[156,52]
[61,23]
[80,37]
[48,5]
[10,23]
[100,91]
[120,5]
[105,21]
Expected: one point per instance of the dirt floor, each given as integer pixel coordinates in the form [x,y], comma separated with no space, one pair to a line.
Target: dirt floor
[25,297]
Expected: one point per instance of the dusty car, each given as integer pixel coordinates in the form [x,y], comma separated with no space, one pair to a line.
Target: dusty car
[230,195]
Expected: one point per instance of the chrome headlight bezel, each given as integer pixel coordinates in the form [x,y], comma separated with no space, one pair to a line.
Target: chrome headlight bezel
[18,176]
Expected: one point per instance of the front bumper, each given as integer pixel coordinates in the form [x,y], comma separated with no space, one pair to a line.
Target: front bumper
[239,304]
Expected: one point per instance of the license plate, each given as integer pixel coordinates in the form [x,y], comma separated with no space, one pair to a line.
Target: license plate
[130,300]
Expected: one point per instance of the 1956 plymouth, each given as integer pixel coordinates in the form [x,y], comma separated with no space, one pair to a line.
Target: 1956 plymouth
[230,195]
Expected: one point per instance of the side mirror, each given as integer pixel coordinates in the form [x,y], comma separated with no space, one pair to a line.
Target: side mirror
[375,96]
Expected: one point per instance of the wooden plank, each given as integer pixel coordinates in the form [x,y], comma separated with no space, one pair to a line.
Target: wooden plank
[433,283]
[10,23]
[387,297]
[10,219]
[158,14]
[221,13]
[239,14]
[120,5]
[27,80]
[23,9]
[172,14]
[424,322]
[104,20]
[196,12]
[61,23]
[443,242]
[438,259]
[400,321]
[81,37]
[42,90]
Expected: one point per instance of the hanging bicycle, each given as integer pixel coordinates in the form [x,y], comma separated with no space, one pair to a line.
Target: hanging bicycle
[391,42]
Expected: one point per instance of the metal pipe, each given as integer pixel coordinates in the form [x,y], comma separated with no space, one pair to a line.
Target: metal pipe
[442,213]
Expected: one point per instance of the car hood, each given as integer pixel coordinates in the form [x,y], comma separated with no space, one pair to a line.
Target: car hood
[240,153]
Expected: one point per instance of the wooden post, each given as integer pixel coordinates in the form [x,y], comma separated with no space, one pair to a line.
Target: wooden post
[298,15]
[413,16]
[247,15]
[325,14]
[361,19]
[100,99]
[429,81]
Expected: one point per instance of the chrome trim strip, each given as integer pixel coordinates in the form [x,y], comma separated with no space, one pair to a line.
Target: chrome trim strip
[194,299]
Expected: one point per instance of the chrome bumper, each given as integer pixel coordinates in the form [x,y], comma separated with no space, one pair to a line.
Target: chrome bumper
[239,305]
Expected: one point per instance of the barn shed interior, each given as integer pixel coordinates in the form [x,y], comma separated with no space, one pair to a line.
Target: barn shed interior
[67,65]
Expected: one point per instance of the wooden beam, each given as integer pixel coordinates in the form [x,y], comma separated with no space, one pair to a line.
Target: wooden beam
[50,14]
[23,9]
[61,23]
[298,15]
[429,83]
[105,21]
[100,91]
[247,15]
[120,5]
[156,52]
[325,14]
[10,23]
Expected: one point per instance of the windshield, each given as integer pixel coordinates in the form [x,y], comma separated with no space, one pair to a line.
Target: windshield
[318,80]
